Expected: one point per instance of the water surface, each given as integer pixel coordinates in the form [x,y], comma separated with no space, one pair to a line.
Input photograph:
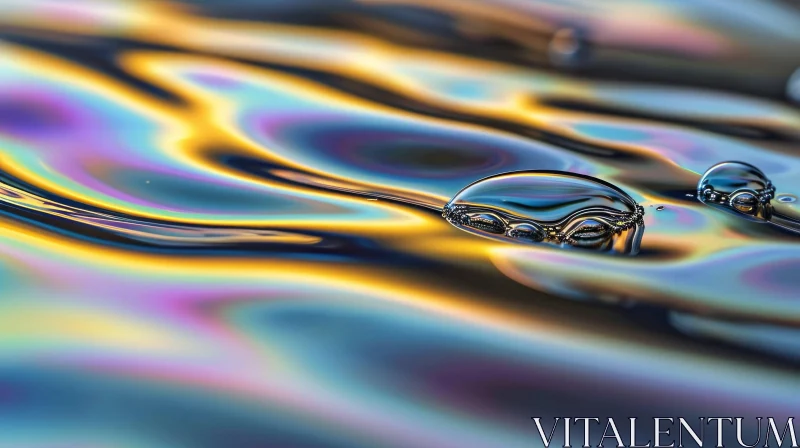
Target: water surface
[220,223]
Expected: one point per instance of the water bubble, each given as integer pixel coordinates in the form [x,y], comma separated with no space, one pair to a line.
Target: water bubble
[689,195]
[744,190]
[568,47]
[739,188]
[551,207]
[659,208]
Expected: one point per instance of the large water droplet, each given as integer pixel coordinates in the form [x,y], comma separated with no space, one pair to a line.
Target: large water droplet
[744,190]
[552,207]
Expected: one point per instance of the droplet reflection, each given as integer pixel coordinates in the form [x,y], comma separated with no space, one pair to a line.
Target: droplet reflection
[553,207]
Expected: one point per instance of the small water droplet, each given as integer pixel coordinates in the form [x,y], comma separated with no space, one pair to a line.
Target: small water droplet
[744,190]
[785,198]
[737,187]
[568,47]
[660,207]
[549,206]
[689,195]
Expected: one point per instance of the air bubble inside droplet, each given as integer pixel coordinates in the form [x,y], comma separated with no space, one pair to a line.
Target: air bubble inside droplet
[487,222]
[551,207]
[745,202]
[524,231]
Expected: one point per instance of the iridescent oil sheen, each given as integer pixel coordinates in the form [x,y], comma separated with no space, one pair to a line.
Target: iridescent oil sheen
[220,221]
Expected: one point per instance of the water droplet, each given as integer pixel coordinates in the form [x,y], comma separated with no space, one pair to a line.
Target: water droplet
[739,188]
[553,207]
[660,207]
[689,195]
[569,47]
[793,86]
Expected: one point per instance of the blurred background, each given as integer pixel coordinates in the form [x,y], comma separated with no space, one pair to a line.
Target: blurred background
[220,221]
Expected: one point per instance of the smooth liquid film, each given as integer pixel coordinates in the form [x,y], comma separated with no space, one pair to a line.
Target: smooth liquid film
[220,222]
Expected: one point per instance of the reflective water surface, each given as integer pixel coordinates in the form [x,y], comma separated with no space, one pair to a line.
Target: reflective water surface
[221,222]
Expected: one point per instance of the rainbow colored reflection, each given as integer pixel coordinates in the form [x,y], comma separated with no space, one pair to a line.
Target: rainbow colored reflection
[221,231]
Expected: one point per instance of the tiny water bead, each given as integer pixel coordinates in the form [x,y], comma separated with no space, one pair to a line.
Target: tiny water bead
[785,198]
[659,208]
[551,207]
